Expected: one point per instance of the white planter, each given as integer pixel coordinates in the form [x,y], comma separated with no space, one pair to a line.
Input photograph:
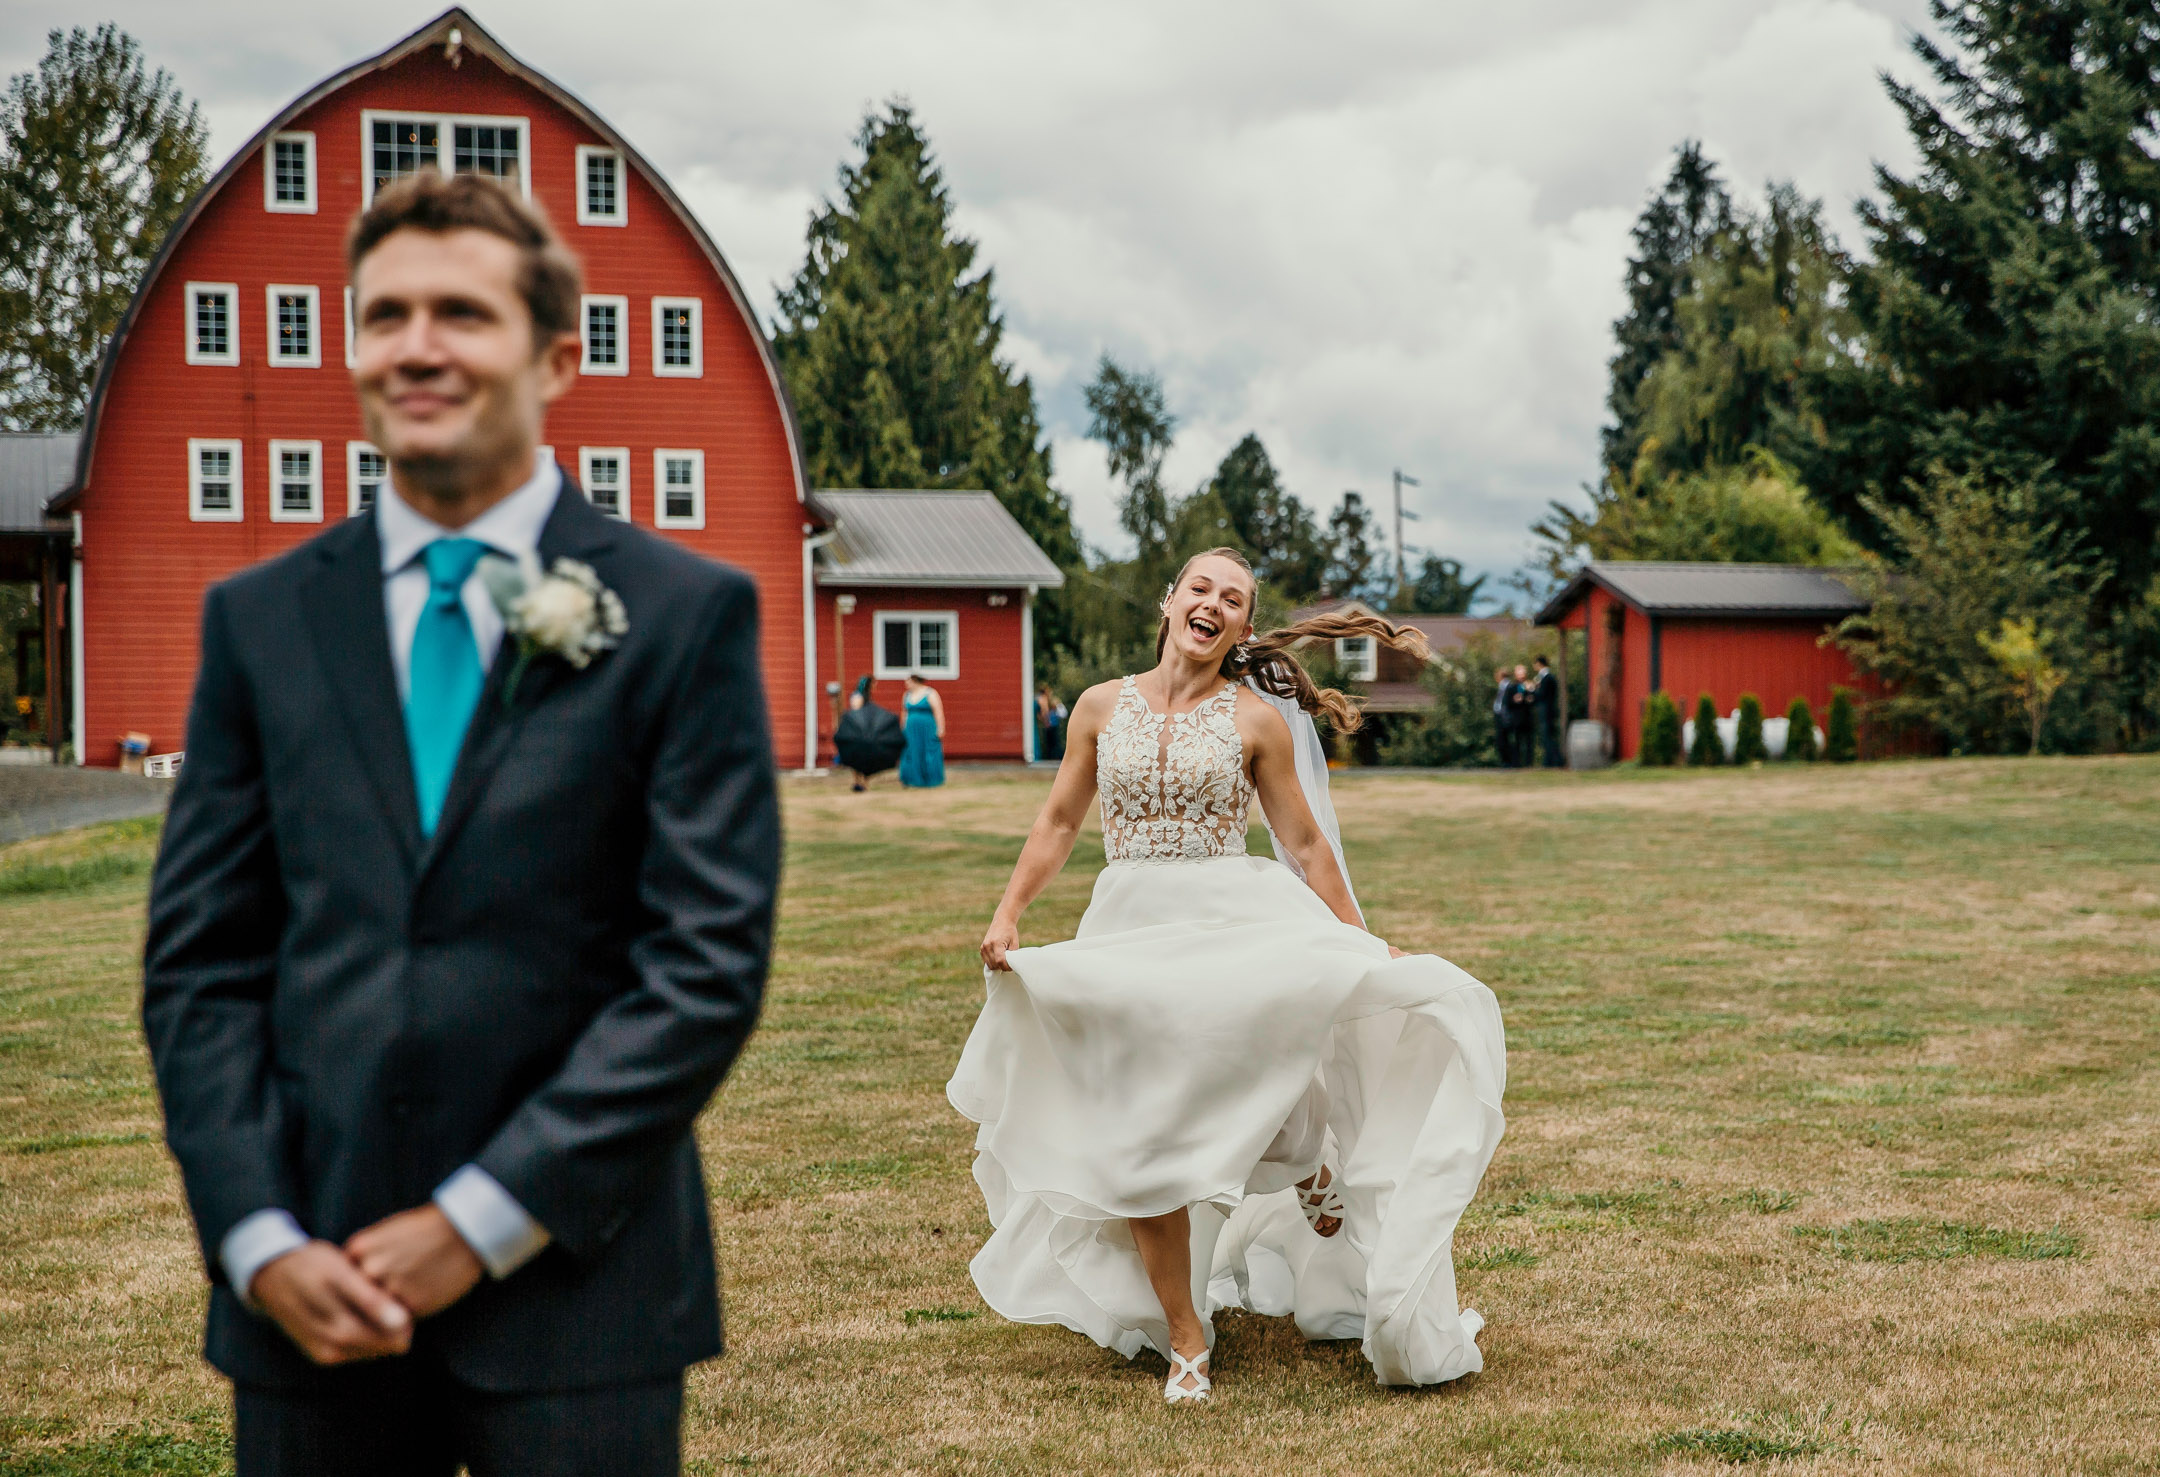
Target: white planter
[1589,744]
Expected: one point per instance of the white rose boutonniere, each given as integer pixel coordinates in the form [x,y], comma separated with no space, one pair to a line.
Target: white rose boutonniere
[564,611]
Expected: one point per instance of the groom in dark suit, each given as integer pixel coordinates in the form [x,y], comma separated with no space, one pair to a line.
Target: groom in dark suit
[461,915]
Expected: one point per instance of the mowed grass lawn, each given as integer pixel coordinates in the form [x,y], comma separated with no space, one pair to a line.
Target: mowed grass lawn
[1833,1145]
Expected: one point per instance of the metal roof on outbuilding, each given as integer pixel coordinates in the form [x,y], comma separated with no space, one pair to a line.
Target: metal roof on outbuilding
[928,538]
[34,467]
[1758,590]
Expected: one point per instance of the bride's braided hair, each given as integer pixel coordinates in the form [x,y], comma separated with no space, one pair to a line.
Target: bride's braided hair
[1266,659]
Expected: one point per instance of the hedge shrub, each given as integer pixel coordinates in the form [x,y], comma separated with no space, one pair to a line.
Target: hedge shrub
[1800,731]
[1841,740]
[1660,731]
[1705,749]
[1748,745]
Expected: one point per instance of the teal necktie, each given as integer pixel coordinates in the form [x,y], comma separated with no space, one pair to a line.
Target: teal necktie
[443,680]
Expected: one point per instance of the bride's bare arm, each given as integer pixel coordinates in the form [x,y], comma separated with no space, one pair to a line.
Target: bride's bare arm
[1274,769]
[1057,824]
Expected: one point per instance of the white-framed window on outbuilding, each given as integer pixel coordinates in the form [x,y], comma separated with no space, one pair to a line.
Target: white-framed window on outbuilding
[1358,656]
[289,174]
[926,642]
[213,480]
[396,144]
[213,323]
[602,199]
[678,489]
[678,337]
[605,473]
[607,335]
[296,482]
[366,470]
[295,326]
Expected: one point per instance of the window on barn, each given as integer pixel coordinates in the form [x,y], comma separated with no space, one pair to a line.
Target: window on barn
[289,174]
[605,471]
[214,481]
[600,188]
[607,350]
[366,470]
[402,146]
[213,330]
[294,343]
[489,148]
[924,641]
[679,489]
[296,487]
[677,349]
[1359,657]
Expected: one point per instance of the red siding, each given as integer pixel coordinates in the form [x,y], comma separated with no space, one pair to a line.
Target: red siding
[984,712]
[146,565]
[1777,660]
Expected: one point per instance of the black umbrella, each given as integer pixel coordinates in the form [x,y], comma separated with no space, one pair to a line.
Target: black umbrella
[869,739]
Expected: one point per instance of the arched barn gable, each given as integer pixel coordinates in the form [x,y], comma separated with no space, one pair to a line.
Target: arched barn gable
[222,427]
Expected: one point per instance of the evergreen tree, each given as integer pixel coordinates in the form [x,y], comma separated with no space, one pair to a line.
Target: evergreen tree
[1841,741]
[1692,207]
[1272,526]
[1660,739]
[1438,588]
[1800,731]
[98,157]
[889,338]
[1704,746]
[1748,746]
[1355,554]
[1129,415]
[2008,309]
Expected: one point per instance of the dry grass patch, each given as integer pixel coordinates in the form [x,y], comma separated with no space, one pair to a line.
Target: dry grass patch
[1833,1102]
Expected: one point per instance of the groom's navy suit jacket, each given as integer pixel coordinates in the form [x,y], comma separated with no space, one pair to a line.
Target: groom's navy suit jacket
[342,1013]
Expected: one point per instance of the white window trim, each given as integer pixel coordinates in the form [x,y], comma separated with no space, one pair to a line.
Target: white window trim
[352,335]
[879,620]
[314,512]
[695,369]
[313,295]
[1367,670]
[585,217]
[197,513]
[445,142]
[352,475]
[621,454]
[697,488]
[270,200]
[231,293]
[622,333]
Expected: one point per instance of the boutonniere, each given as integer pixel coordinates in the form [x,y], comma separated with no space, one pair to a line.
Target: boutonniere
[564,611]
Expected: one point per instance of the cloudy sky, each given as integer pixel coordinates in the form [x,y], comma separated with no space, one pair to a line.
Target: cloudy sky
[1381,234]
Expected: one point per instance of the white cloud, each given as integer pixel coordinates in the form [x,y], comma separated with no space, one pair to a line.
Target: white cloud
[1379,234]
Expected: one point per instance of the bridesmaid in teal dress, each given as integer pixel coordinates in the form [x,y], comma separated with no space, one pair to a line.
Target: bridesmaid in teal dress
[922,766]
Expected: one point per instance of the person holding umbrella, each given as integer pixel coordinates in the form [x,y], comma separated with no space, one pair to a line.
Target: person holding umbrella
[867,738]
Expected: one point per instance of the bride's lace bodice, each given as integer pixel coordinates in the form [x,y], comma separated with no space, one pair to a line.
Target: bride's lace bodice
[1172,785]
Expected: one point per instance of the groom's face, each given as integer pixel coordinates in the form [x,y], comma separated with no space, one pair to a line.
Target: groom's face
[449,373]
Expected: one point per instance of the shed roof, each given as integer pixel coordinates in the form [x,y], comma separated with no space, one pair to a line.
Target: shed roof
[1795,591]
[928,538]
[1443,633]
[34,466]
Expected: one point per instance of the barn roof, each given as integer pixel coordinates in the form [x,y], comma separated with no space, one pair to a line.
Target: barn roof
[454,26]
[33,466]
[1443,633]
[1762,591]
[928,538]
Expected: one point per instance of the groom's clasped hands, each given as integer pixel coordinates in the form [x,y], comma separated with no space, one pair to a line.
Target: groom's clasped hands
[359,1301]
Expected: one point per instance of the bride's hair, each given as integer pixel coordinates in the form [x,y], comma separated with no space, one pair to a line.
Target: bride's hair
[1267,660]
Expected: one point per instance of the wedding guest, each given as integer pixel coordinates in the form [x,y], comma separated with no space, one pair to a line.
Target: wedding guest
[1545,704]
[1050,724]
[1503,719]
[922,766]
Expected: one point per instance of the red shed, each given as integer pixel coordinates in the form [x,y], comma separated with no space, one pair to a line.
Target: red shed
[223,429]
[1687,629]
[938,583]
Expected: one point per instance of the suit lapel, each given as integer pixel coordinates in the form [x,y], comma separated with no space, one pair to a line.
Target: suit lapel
[574,530]
[343,607]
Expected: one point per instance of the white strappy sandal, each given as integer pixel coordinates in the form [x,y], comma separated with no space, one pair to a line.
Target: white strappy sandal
[1321,1202]
[1174,1388]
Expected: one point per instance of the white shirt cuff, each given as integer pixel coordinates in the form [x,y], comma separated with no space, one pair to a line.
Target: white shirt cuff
[493,1224]
[254,1244]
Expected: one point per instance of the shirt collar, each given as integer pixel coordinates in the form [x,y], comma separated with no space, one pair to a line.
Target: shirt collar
[511,527]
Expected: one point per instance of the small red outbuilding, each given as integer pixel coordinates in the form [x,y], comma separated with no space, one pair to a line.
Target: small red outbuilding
[1687,629]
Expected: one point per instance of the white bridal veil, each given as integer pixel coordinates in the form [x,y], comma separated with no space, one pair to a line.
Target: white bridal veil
[1312,779]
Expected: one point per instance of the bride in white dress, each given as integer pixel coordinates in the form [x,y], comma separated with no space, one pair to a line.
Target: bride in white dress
[1223,1091]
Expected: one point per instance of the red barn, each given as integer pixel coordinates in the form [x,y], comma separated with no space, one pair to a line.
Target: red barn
[942,584]
[223,428]
[1687,629]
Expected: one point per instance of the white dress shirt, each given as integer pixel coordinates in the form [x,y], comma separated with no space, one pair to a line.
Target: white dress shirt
[498,1229]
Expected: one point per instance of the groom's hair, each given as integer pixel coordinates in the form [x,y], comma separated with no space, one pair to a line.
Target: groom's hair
[549,278]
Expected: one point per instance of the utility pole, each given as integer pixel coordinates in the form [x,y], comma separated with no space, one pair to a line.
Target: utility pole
[1402,566]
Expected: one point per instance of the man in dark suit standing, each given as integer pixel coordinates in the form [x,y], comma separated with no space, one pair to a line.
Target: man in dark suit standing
[462,912]
[1503,717]
[1545,703]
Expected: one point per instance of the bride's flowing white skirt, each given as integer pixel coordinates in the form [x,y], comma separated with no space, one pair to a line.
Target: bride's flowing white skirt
[1208,1037]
